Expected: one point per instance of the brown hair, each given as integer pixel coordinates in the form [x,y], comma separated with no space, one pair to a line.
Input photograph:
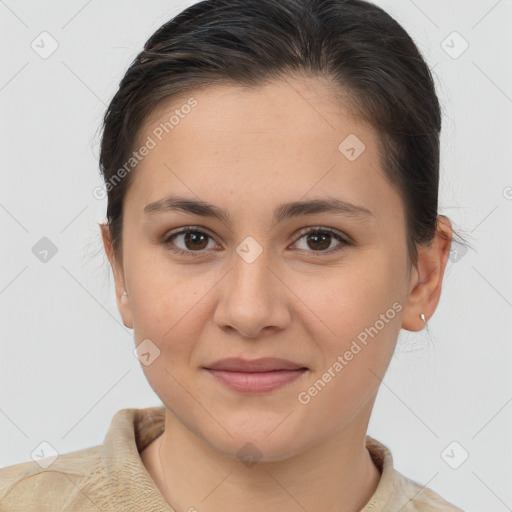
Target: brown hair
[371,61]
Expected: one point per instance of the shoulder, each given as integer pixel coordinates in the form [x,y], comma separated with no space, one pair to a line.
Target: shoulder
[422,499]
[397,492]
[72,478]
[107,477]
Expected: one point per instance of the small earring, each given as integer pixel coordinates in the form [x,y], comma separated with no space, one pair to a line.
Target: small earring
[422,316]
[125,293]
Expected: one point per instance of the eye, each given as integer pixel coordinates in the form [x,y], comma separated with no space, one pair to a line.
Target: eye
[319,239]
[193,239]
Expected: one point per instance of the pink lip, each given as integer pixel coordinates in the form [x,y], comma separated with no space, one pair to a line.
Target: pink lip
[256,382]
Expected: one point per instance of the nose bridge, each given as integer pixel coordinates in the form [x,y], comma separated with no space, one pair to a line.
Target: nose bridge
[251,267]
[252,299]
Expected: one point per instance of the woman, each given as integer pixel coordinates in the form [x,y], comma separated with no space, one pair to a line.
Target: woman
[272,172]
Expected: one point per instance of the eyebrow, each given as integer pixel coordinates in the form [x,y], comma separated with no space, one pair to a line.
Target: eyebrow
[282,212]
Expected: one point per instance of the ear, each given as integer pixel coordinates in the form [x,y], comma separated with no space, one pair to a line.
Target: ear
[123,301]
[427,278]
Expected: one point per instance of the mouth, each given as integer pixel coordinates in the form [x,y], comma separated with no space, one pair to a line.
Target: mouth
[263,364]
[256,376]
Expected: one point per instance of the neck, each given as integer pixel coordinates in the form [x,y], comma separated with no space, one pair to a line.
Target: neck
[336,475]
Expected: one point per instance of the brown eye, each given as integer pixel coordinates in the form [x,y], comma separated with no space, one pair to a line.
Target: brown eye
[188,241]
[195,240]
[319,240]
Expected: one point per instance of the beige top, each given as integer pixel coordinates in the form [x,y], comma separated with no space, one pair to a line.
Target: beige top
[112,478]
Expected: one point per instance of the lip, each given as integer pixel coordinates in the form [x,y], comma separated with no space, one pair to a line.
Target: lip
[256,382]
[257,375]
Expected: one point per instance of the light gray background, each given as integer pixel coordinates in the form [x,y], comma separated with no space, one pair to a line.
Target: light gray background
[66,360]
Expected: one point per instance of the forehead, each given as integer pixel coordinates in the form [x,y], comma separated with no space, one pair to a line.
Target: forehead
[282,138]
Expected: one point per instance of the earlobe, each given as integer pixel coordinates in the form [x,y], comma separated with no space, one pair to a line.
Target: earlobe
[123,304]
[426,281]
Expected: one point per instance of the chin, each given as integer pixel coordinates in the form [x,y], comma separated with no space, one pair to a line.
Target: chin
[258,450]
[261,443]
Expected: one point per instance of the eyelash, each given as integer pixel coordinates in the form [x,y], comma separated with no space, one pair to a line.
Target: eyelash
[306,231]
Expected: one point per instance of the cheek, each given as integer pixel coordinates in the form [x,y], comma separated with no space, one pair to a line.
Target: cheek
[354,361]
[356,321]
[344,301]
[165,296]
[169,312]
[167,309]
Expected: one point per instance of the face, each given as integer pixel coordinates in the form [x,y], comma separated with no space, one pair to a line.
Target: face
[325,289]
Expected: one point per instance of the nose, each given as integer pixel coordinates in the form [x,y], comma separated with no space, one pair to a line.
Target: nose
[253,299]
